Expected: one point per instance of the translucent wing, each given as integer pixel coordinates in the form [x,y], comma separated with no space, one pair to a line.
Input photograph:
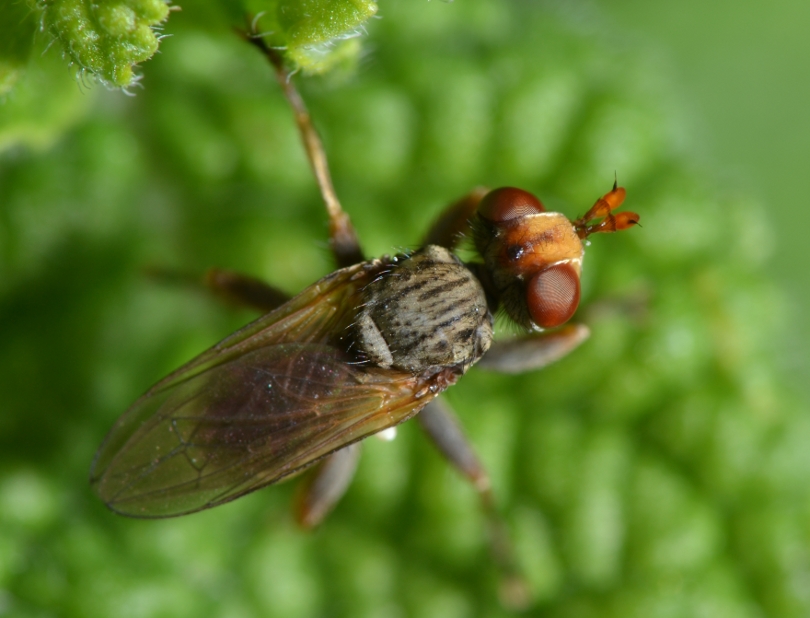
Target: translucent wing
[267,401]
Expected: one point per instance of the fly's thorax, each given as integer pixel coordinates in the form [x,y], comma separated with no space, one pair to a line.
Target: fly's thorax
[426,311]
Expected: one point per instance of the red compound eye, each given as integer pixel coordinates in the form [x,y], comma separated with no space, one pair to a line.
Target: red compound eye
[553,295]
[508,203]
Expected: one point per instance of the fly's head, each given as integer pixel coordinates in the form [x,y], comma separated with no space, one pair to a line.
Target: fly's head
[533,258]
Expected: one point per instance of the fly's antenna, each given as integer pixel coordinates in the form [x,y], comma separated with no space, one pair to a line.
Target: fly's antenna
[603,209]
[343,238]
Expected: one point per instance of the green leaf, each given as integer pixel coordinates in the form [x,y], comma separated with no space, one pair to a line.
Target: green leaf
[316,35]
[106,39]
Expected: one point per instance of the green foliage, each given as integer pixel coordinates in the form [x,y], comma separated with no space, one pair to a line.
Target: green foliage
[105,39]
[317,35]
[660,470]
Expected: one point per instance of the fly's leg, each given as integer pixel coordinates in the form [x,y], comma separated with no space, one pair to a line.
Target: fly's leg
[453,223]
[533,351]
[230,286]
[442,426]
[444,430]
[243,290]
[324,487]
[342,237]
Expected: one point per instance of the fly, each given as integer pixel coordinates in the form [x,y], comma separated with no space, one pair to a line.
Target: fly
[355,354]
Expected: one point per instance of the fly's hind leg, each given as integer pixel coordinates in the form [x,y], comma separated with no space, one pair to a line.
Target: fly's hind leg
[533,351]
[453,222]
[444,430]
[325,485]
[230,286]
[343,239]
[244,290]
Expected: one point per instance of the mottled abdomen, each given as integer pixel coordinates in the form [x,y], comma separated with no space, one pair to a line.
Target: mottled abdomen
[427,311]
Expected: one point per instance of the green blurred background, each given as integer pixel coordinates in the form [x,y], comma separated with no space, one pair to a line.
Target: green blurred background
[661,470]
[742,73]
